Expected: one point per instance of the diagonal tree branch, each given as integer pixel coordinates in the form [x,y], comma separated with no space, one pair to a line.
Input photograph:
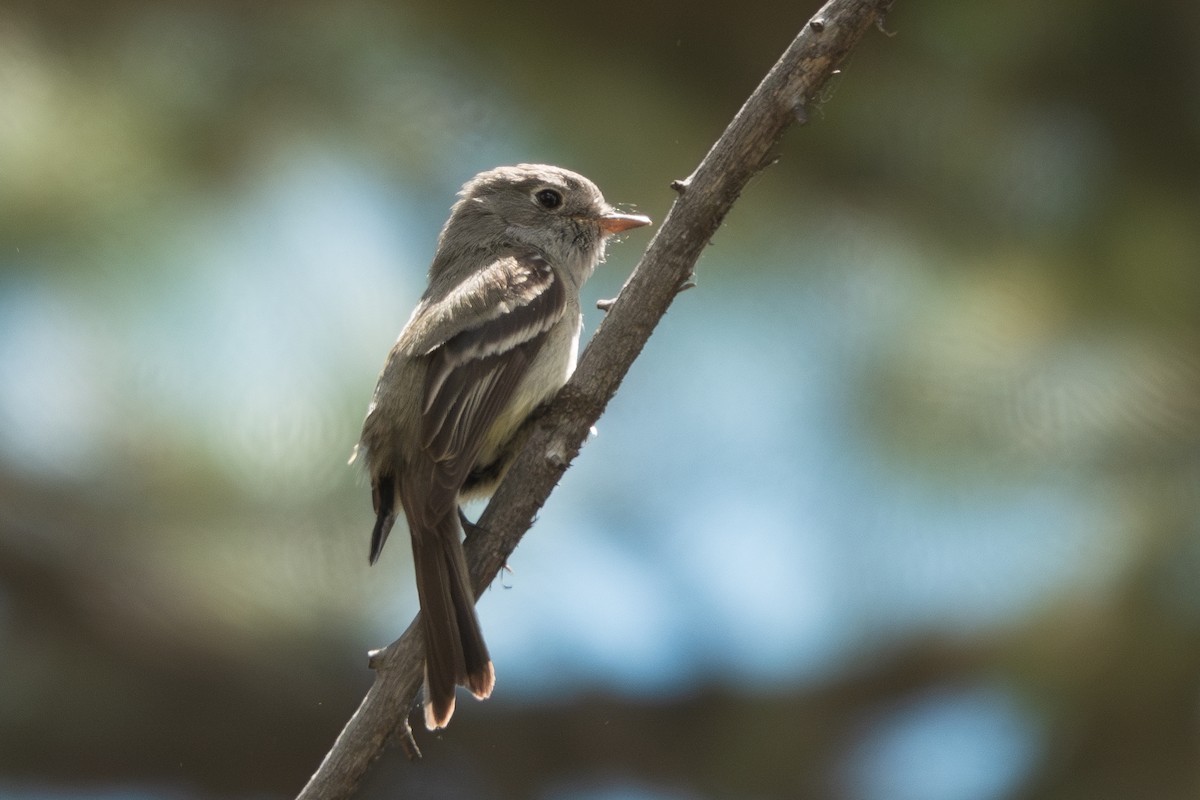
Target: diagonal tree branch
[554,439]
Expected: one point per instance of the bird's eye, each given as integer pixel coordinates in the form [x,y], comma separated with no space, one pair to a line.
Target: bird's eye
[548,199]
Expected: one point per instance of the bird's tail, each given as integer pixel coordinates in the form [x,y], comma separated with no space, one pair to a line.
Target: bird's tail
[455,653]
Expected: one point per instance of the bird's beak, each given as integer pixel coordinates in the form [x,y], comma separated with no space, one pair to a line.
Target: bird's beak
[613,222]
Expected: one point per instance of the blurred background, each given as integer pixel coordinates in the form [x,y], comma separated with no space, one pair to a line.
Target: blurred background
[902,502]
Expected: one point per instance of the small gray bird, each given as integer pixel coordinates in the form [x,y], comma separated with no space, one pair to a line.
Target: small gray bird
[495,335]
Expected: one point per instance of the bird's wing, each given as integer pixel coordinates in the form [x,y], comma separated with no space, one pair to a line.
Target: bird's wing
[473,373]
[488,295]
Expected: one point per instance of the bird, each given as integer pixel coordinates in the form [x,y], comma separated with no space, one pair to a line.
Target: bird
[493,338]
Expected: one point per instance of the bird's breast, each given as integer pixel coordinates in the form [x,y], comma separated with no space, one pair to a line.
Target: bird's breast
[546,374]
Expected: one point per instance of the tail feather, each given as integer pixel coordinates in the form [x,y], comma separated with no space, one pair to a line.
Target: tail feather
[383,497]
[455,653]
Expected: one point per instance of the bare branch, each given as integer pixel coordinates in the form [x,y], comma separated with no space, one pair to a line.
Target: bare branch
[555,438]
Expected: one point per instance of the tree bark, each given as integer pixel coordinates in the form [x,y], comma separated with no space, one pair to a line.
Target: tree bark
[744,149]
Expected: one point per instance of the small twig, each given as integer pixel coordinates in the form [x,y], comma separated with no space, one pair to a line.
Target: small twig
[407,743]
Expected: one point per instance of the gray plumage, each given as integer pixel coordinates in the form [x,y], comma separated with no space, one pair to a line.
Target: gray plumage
[494,336]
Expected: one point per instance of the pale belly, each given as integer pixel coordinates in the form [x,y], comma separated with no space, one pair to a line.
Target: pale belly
[547,374]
